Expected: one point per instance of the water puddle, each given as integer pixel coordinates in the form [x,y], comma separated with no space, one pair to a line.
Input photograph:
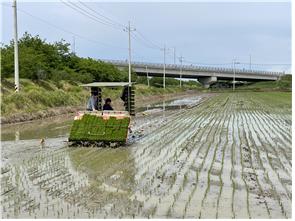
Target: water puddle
[176,104]
[60,126]
[47,128]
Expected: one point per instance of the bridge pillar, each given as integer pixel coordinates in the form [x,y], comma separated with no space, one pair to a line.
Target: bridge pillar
[207,81]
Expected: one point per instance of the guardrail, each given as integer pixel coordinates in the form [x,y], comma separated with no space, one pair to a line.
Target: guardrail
[194,68]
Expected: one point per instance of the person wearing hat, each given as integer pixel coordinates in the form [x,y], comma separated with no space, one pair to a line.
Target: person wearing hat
[107,105]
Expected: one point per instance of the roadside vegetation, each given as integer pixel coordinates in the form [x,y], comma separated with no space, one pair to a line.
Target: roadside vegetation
[40,60]
[50,75]
[283,84]
[39,96]
[44,95]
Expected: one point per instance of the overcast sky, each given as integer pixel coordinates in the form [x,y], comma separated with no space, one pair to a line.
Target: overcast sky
[204,33]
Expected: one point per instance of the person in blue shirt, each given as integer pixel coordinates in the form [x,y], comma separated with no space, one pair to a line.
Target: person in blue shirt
[107,105]
[92,104]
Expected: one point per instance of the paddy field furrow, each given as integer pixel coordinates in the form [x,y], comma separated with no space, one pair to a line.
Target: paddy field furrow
[228,157]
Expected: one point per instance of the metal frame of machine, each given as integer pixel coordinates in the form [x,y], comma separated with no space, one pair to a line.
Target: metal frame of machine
[104,126]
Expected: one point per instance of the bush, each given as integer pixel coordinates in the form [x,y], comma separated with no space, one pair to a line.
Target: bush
[40,60]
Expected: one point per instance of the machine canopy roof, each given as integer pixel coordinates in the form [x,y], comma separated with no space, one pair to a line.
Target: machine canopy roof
[106,84]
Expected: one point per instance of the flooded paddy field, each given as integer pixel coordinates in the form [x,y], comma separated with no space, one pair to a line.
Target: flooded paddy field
[226,157]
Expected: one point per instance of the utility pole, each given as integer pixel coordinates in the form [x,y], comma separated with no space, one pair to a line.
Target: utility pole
[164,68]
[147,76]
[234,77]
[181,60]
[174,55]
[234,70]
[16,65]
[250,63]
[129,30]
[129,62]
[129,65]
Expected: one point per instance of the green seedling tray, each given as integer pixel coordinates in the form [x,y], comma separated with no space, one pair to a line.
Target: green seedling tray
[95,128]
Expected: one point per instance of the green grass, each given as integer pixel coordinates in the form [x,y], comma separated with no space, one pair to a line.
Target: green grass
[274,99]
[43,95]
[39,96]
[283,84]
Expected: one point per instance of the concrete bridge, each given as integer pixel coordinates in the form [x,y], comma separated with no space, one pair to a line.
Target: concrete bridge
[205,75]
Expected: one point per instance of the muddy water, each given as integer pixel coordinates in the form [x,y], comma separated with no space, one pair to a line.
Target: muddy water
[175,104]
[48,128]
[228,157]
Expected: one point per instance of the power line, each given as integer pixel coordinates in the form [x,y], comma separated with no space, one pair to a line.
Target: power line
[147,40]
[100,18]
[172,54]
[73,33]
[70,32]
[136,37]
[87,14]
[90,11]
[112,21]
[113,18]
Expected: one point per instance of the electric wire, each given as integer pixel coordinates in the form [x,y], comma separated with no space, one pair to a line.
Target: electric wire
[85,10]
[135,37]
[147,40]
[70,32]
[99,14]
[88,14]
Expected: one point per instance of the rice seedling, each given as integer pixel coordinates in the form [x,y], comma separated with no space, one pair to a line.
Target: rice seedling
[227,158]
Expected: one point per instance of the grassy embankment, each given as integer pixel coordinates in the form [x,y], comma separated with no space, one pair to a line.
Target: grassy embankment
[283,84]
[277,94]
[40,97]
[62,97]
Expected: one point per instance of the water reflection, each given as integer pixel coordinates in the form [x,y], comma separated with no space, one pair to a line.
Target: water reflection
[69,183]
[46,128]
[177,104]
[60,126]
[111,180]
[49,179]
[17,135]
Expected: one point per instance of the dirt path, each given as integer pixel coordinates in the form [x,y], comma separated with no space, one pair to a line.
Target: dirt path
[229,157]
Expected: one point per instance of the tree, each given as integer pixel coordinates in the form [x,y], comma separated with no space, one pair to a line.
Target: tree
[41,60]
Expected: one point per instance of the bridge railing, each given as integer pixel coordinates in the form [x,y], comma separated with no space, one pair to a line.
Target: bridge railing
[194,68]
